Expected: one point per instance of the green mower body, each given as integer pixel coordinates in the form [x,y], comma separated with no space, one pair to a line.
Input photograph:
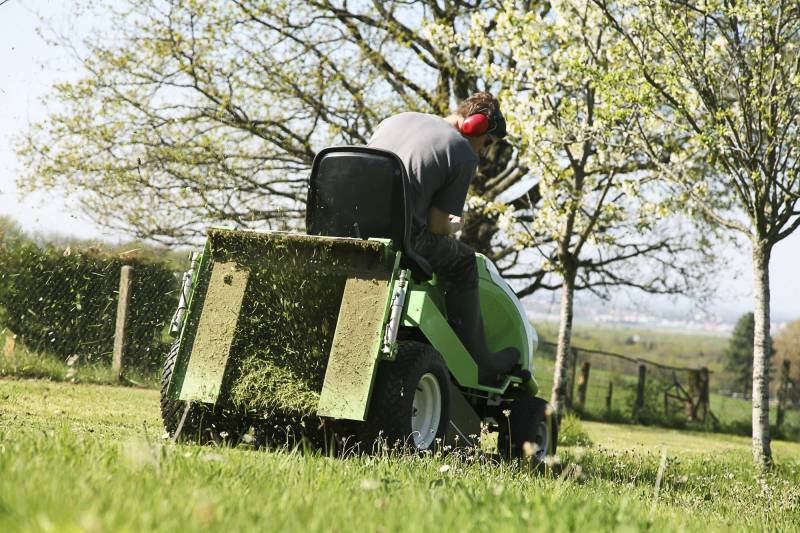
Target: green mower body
[367,294]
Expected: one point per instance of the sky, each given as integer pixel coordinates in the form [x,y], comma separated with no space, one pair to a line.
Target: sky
[30,67]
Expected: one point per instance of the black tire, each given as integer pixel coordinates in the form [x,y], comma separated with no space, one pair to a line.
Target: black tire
[391,409]
[530,432]
[202,424]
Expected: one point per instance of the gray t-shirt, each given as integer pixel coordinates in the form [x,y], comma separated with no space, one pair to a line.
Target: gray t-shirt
[439,161]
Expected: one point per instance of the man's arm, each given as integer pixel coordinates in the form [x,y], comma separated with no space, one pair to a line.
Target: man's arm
[450,198]
[442,223]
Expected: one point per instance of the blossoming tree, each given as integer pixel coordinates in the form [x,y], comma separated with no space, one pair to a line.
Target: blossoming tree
[605,220]
[727,74]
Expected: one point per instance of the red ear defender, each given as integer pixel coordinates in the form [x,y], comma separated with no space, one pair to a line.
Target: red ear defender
[475,125]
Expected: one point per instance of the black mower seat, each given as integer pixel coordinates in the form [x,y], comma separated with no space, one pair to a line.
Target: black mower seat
[360,192]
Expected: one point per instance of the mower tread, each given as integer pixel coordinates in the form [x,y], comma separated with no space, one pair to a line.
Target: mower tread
[526,414]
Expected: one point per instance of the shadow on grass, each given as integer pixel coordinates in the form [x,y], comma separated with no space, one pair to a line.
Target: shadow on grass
[26,365]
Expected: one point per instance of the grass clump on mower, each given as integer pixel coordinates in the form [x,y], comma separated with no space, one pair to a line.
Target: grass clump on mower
[288,317]
[284,329]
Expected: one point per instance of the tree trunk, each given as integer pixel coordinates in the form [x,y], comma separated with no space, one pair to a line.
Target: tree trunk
[561,372]
[762,453]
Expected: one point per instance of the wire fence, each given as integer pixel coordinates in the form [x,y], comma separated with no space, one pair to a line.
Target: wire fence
[66,303]
[615,387]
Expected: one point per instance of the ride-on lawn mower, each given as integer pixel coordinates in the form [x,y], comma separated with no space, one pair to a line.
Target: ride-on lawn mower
[343,332]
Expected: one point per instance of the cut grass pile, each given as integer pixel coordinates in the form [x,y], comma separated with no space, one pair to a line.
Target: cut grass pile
[84,457]
[289,313]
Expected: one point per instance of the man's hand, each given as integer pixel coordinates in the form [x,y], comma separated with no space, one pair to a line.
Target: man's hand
[455,223]
[441,223]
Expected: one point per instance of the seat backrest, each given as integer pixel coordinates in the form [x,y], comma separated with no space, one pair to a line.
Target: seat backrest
[356,191]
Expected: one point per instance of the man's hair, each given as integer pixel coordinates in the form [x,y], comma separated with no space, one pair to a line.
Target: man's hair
[482,102]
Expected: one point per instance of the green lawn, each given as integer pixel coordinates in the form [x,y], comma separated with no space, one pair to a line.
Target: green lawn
[90,458]
[643,439]
[23,363]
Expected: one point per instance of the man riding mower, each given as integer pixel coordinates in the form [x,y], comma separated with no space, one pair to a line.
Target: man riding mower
[377,323]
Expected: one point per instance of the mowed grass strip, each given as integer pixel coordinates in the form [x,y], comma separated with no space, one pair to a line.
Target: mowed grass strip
[84,457]
[643,440]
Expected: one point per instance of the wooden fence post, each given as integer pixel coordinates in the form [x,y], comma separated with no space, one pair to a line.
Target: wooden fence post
[694,394]
[704,394]
[120,332]
[609,394]
[571,388]
[783,384]
[583,384]
[11,343]
[640,391]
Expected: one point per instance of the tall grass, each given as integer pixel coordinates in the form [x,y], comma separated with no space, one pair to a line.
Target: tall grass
[81,482]
[90,458]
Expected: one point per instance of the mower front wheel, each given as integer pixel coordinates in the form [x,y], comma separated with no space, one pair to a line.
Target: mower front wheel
[529,432]
[410,400]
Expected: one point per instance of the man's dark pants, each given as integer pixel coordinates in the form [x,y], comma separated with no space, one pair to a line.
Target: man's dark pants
[451,260]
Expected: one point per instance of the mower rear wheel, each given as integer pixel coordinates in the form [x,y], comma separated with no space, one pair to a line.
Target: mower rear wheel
[202,425]
[530,431]
[410,400]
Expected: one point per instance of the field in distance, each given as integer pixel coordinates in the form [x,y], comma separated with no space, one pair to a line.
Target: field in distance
[661,346]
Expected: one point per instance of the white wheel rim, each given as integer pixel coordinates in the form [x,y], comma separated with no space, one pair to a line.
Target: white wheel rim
[426,411]
[542,441]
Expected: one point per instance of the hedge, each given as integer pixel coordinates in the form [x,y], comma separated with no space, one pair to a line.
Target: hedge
[64,302]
